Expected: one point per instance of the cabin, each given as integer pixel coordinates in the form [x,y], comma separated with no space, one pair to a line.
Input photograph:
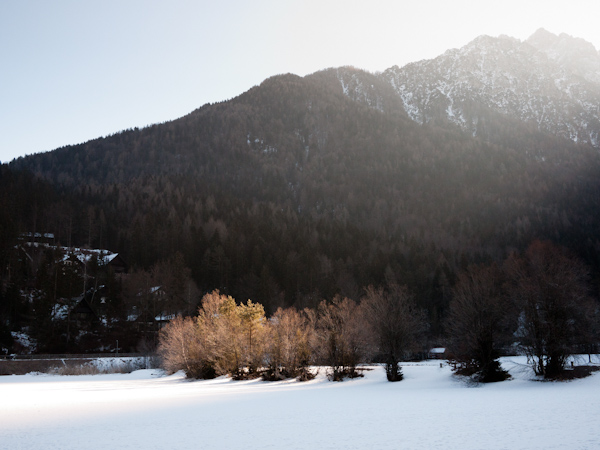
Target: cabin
[116,263]
[33,245]
[83,313]
[163,319]
[104,258]
[437,353]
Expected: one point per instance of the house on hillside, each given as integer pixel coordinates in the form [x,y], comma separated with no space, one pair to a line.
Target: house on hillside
[35,244]
[437,353]
[116,263]
[80,309]
[103,258]
[152,311]
[83,314]
[163,319]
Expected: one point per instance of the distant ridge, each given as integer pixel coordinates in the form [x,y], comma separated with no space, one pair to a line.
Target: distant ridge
[550,82]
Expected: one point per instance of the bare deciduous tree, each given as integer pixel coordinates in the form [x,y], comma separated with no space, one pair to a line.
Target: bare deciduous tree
[180,293]
[477,322]
[183,347]
[551,291]
[290,344]
[394,323]
[342,336]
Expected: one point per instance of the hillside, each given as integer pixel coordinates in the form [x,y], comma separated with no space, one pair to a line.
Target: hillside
[303,188]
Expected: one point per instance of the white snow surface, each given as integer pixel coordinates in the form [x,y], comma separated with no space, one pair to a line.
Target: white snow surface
[430,408]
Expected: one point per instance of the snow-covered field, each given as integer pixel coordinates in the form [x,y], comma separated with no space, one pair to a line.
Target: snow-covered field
[429,409]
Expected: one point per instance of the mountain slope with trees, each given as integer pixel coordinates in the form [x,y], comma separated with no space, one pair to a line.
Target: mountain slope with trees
[304,188]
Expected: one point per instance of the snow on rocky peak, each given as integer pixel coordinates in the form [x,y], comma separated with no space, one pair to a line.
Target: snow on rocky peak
[552,82]
[573,54]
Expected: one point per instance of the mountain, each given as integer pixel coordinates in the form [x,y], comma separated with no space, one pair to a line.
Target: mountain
[548,82]
[306,187]
[574,55]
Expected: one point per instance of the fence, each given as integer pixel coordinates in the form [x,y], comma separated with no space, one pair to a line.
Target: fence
[23,364]
[69,356]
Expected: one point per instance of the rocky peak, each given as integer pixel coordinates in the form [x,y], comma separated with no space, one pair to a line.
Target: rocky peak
[551,82]
[573,54]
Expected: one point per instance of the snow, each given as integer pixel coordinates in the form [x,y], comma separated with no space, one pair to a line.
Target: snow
[60,312]
[25,341]
[431,408]
[163,317]
[85,255]
[154,289]
[507,76]
[38,235]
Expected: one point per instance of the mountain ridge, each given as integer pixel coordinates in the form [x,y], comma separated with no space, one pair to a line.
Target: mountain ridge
[427,94]
[508,77]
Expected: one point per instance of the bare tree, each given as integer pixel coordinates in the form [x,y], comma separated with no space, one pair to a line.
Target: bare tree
[180,294]
[183,346]
[551,291]
[394,323]
[235,333]
[342,336]
[477,322]
[140,303]
[290,344]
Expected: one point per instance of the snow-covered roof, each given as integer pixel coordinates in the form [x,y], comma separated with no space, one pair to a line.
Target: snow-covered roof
[438,350]
[38,235]
[82,254]
[164,317]
[85,255]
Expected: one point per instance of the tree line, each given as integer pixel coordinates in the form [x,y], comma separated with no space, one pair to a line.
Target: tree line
[537,303]
[292,193]
[227,338]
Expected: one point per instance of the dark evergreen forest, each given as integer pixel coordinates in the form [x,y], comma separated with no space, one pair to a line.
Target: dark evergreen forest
[289,194]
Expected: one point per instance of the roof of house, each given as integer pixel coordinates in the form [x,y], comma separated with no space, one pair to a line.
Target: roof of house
[37,235]
[84,255]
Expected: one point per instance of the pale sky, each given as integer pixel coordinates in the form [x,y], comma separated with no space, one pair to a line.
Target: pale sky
[73,70]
